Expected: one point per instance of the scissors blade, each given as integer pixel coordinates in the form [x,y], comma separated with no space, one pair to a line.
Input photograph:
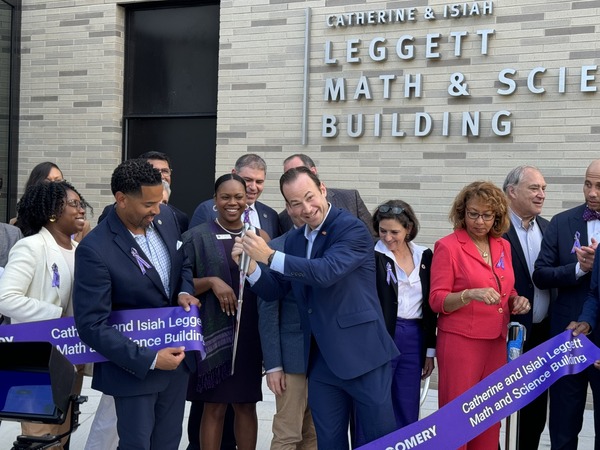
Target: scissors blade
[238,318]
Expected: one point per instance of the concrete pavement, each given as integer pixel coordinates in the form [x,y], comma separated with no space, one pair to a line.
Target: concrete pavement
[266,409]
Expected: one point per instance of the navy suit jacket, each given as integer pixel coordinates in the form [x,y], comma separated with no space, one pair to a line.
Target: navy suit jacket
[336,295]
[555,267]
[591,306]
[108,278]
[269,221]
[523,282]
[281,335]
[348,199]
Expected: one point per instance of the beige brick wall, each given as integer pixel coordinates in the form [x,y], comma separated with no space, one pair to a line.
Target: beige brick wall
[72,91]
[72,80]
[262,96]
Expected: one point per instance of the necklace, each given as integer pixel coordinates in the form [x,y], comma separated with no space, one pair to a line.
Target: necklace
[483,252]
[237,233]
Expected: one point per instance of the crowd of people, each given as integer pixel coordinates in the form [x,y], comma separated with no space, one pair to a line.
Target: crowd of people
[322,272]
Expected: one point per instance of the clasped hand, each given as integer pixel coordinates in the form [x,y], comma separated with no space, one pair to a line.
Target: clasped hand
[254,246]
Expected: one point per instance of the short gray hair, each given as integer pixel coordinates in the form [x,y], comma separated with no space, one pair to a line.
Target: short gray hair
[250,160]
[515,176]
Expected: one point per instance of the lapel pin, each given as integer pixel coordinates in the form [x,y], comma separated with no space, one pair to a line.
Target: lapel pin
[423,266]
[159,222]
[265,215]
[324,233]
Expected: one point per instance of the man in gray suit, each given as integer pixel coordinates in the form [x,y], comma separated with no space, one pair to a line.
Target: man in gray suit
[9,235]
[282,342]
[348,199]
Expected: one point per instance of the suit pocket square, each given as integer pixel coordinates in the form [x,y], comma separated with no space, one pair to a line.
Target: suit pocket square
[179,244]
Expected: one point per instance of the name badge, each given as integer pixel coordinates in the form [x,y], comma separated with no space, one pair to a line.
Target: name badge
[223,236]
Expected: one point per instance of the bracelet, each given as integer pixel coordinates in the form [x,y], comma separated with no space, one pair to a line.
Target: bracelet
[462,297]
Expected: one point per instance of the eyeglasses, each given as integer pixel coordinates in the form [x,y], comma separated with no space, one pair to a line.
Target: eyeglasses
[75,203]
[165,171]
[475,215]
[394,209]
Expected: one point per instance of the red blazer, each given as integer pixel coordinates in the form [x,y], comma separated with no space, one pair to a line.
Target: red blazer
[458,265]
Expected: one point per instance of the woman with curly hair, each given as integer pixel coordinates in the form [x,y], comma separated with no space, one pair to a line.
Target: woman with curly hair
[48,171]
[38,278]
[472,289]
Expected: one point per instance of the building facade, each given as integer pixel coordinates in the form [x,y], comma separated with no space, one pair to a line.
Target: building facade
[403,99]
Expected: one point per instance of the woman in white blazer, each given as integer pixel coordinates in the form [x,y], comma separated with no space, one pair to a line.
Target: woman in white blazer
[38,277]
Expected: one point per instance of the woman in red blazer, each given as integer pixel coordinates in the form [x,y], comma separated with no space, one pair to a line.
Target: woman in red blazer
[472,289]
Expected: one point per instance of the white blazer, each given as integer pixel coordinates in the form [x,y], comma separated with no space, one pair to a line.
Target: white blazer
[26,291]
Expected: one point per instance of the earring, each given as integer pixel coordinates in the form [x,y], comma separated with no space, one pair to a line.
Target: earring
[52,218]
[215,208]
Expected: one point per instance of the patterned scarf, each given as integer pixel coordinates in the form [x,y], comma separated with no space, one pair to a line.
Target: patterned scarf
[208,259]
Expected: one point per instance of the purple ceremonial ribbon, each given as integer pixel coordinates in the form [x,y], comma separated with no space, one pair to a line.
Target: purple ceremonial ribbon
[504,392]
[142,263]
[55,276]
[390,274]
[576,244]
[154,328]
[500,263]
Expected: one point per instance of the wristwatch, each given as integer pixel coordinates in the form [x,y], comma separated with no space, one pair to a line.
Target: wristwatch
[270,259]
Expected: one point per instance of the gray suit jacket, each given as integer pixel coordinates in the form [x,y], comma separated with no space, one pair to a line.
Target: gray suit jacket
[348,199]
[281,335]
[9,235]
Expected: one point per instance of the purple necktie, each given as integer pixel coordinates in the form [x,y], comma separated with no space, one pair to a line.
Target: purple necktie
[590,214]
[247,215]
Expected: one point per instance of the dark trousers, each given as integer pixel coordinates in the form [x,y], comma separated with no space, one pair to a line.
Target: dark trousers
[567,404]
[406,371]
[332,401]
[532,418]
[153,421]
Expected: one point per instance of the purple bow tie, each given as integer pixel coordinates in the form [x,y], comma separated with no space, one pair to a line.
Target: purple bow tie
[590,214]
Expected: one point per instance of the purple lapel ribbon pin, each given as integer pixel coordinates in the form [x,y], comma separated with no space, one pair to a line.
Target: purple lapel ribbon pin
[390,274]
[576,244]
[143,264]
[55,276]
[500,263]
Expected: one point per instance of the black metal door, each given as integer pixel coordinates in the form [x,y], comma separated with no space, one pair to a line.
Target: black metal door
[171,67]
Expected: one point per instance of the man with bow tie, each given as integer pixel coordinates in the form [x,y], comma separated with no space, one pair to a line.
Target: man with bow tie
[565,262]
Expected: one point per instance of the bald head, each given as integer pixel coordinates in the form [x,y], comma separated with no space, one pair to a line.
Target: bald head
[591,185]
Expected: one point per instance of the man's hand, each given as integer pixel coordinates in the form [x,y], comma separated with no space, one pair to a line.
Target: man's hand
[185,300]
[579,328]
[585,255]
[276,382]
[236,253]
[256,247]
[169,358]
